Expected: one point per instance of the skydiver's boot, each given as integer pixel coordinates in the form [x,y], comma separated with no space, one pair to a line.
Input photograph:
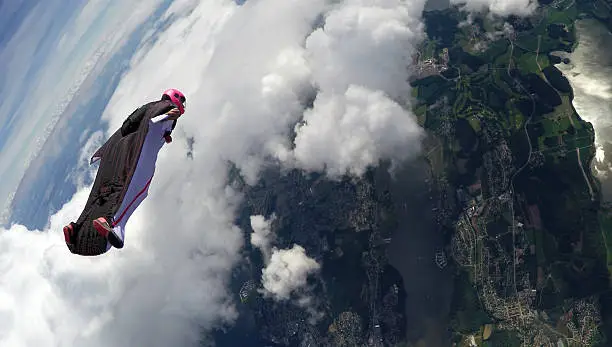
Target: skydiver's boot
[102,226]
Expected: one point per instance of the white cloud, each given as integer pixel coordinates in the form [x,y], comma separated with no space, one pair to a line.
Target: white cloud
[246,70]
[287,271]
[49,298]
[262,236]
[501,8]
[359,61]
[366,43]
[349,132]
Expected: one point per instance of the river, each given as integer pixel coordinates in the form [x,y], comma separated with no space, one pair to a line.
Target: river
[590,75]
[428,289]
[412,251]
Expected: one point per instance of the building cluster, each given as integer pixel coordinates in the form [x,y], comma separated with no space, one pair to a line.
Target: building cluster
[424,66]
[364,216]
[582,320]
[497,267]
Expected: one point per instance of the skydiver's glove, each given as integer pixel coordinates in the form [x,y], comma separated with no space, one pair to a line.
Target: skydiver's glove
[167,137]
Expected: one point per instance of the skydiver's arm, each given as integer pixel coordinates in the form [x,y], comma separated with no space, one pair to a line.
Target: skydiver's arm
[173,114]
[133,121]
[160,118]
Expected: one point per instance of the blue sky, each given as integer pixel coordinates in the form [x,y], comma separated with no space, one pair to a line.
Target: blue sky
[27,38]
[12,12]
[56,172]
[49,50]
[31,31]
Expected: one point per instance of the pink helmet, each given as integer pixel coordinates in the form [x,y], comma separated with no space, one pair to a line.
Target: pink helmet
[176,97]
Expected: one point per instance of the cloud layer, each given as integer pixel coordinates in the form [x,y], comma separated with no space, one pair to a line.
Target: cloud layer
[359,62]
[501,8]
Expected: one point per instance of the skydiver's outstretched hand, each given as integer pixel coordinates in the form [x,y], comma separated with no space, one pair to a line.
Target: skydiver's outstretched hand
[174,114]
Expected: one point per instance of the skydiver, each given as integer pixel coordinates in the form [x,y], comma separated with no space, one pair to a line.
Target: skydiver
[127,164]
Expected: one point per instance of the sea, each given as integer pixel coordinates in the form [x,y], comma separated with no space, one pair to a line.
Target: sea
[590,75]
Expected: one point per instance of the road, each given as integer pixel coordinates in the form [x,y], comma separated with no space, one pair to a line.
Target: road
[511,200]
[586,179]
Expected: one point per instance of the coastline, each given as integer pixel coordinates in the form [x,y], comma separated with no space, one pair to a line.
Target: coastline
[592,153]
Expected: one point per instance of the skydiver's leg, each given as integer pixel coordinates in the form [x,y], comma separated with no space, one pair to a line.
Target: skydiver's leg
[105,229]
[136,193]
[114,229]
[122,216]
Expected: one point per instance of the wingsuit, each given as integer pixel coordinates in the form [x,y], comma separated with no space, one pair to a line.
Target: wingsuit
[127,164]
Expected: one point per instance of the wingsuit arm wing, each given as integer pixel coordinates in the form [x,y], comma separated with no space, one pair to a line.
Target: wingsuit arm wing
[100,152]
[131,123]
[97,156]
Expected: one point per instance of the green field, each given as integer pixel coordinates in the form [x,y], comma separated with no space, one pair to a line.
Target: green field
[564,14]
[527,63]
